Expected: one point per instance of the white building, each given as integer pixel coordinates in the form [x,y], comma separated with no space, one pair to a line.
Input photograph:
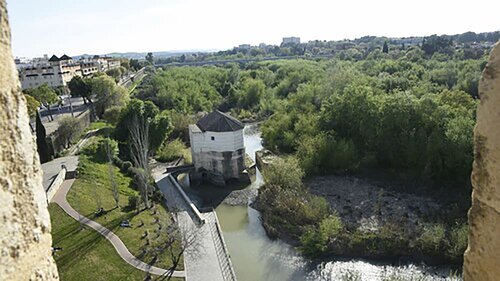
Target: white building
[245,46]
[105,63]
[291,40]
[89,67]
[218,149]
[57,72]
[54,72]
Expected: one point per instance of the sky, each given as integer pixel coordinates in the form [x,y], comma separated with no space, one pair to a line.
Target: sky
[79,27]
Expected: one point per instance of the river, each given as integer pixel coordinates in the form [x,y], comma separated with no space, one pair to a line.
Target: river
[256,257]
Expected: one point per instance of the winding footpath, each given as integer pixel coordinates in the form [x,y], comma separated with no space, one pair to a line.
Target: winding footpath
[121,249]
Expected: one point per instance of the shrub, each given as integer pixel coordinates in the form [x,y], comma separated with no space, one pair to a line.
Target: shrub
[285,173]
[69,128]
[432,238]
[107,150]
[315,240]
[322,154]
[99,148]
[133,202]
[91,149]
[170,151]
[112,114]
[180,123]
[350,275]
[157,195]
[458,241]
[127,165]
[286,205]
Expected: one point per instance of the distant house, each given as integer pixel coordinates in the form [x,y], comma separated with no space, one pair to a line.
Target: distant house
[217,148]
[290,40]
[245,46]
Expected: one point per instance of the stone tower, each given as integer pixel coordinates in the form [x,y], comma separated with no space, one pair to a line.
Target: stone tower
[218,149]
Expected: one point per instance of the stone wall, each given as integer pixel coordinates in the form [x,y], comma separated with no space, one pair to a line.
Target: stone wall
[57,142]
[56,184]
[482,258]
[25,240]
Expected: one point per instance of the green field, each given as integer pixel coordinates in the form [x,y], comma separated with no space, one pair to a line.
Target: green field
[84,250]
[85,254]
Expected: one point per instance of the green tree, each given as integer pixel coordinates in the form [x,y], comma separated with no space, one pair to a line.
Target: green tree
[46,96]
[116,73]
[124,62]
[80,87]
[41,141]
[150,58]
[108,94]
[32,105]
[385,48]
[135,64]
[251,93]
[69,128]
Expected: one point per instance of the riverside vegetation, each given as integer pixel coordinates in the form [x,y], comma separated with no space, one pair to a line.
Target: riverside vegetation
[403,113]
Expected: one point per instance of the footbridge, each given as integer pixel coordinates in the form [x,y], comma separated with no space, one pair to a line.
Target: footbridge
[176,170]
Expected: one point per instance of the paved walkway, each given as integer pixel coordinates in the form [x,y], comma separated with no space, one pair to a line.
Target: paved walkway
[52,168]
[203,263]
[60,199]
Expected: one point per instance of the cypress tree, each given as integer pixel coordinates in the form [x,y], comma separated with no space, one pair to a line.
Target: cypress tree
[385,49]
[41,142]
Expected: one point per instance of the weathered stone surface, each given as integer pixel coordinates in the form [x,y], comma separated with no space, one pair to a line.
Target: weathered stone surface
[482,258]
[25,238]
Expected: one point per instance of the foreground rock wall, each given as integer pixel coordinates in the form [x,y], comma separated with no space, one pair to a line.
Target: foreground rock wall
[482,258]
[25,238]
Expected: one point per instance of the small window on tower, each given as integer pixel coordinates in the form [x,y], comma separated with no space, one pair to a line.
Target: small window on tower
[213,138]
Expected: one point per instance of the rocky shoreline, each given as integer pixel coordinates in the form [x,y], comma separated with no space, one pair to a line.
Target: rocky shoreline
[367,207]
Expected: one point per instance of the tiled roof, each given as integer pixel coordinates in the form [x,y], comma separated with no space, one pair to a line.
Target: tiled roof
[54,58]
[217,121]
[65,57]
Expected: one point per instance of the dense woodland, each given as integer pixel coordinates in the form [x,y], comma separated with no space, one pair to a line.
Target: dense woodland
[467,43]
[408,110]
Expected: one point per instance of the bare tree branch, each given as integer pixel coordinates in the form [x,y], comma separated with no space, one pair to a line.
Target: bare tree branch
[183,239]
[114,186]
[138,128]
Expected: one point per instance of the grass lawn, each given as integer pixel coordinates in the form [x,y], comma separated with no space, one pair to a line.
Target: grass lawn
[85,254]
[92,189]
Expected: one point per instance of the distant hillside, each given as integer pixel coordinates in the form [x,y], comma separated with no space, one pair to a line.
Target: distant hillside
[142,55]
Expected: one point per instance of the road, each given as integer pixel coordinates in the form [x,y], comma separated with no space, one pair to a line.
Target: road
[57,113]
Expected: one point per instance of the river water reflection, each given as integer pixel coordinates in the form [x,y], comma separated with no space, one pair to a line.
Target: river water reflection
[256,257]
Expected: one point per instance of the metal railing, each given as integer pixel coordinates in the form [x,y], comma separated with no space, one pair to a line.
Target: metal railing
[221,248]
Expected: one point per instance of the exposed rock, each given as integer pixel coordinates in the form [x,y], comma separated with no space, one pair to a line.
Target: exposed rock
[482,258]
[263,158]
[25,240]
[367,207]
